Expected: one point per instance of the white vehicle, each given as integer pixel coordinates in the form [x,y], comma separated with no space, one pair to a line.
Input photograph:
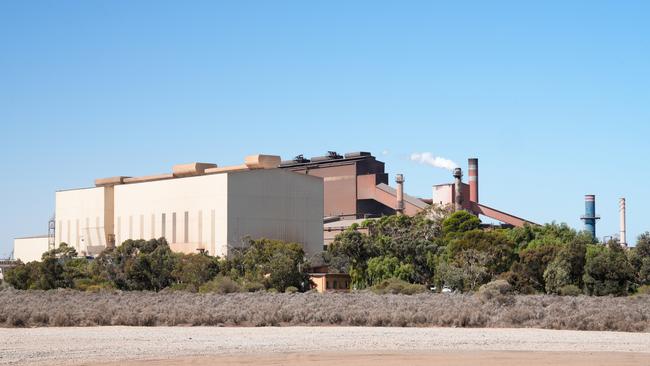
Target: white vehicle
[445,289]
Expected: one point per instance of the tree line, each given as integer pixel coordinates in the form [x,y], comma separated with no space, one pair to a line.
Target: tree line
[453,251]
[436,248]
[151,265]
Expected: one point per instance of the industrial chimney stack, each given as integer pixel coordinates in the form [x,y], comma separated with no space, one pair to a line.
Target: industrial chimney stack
[590,214]
[623,234]
[399,179]
[473,180]
[458,188]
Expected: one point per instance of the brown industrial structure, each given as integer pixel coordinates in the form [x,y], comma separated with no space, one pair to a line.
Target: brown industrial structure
[356,185]
[356,188]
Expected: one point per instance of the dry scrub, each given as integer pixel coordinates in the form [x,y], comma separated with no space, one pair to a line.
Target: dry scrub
[74,308]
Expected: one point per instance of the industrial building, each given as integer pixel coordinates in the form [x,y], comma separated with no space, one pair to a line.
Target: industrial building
[202,207]
[355,185]
[196,207]
[356,188]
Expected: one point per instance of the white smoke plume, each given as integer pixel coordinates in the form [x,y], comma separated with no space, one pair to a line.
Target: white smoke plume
[435,161]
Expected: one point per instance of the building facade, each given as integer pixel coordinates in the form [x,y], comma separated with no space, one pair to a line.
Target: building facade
[207,210]
[30,248]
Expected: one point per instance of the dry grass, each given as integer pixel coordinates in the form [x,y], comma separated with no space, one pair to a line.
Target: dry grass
[74,308]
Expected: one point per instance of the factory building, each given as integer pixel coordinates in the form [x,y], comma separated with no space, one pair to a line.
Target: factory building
[202,207]
[466,197]
[197,207]
[30,248]
[355,185]
[356,188]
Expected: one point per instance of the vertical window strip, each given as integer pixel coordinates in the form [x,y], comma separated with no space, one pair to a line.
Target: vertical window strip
[118,239]
[153,226]
[173,227]
[212,233]
[141,227]
[186,225]
[163,225]
[200,231]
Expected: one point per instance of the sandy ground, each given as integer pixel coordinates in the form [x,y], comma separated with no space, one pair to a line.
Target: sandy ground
[319,346]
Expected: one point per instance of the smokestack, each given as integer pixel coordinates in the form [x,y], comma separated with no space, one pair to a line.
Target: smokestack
[623,234]
[399,179]
[458,187]
[590,215]
[473,180]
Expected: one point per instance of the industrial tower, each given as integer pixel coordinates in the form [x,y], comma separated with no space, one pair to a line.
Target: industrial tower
[590,216]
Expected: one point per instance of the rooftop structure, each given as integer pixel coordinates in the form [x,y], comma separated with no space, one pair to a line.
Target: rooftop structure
[355,185]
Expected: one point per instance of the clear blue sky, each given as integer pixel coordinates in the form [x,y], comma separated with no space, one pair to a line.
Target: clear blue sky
[554,98]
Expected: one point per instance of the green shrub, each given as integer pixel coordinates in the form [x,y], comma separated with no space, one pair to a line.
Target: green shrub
[643,290]
[570,290]
[397,286]
[291,290]
[252,286]
[500,291]
[220,285]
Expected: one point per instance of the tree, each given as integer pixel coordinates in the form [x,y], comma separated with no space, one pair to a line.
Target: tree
[193,270]
[74,270]
[52,273]
[527,274]
[639,257]
[152,267]
[498,248]
[383,268]
[557,275]
[275,263]
[357,248]
[643,245]
[460,222]
[411,239]
[450,276]
[23,276]
[136,265]
[529,236]
[64,252]
[474,266]
[607,270]
[567,268]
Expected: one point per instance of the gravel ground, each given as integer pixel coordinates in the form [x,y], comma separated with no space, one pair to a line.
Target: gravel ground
[75,346]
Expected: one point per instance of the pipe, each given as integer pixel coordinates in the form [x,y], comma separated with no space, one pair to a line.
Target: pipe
[473,180]
[458,186]
[623,234]
[399,179]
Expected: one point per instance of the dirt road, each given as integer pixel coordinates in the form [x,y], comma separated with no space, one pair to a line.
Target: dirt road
[160,346]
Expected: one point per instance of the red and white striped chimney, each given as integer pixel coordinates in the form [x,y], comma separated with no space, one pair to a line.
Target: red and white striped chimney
[473,180]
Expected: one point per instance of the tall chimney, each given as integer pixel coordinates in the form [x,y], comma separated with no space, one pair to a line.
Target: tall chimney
[590,215]
[473,180]
[399,179]
[458,188]
[623,234]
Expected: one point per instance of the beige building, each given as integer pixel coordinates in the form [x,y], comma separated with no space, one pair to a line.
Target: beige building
[30,248]
[330,282]
[198,206]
